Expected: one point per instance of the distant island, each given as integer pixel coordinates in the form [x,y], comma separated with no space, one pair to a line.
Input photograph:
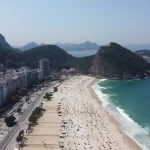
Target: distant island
[144,53]
[82,46]
[67,46]
[135,47]
[29,46]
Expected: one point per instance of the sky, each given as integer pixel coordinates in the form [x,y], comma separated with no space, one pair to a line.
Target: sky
[75,21]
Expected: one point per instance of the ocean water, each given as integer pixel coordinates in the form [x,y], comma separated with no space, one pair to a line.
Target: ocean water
[129,103]
[81,53]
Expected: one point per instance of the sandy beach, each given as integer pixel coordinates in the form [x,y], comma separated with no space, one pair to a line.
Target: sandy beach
[76,120]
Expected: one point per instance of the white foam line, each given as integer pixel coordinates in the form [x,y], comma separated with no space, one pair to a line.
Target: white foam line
[103,80]
[130,128]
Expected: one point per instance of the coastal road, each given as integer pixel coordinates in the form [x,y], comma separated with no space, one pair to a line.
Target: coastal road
[10,140]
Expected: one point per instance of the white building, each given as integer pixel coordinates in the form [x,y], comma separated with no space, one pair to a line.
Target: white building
[40,75]
[9,82]
[44,66]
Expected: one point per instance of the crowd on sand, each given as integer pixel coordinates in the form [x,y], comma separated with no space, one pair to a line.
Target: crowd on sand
[76,120]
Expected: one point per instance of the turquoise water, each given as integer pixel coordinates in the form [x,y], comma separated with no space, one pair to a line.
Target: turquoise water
[129,102]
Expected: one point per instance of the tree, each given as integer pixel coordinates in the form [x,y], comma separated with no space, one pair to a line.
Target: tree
[21,133]
[27,99]
[2,110]
[57,74]
[10,120]
[41,104]
[35,115]
[48,96]
[22,91]
[18,139]
[55,89]
[20,136]
[11,63]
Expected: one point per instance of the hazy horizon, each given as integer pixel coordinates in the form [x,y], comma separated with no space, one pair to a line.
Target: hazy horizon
[66,21]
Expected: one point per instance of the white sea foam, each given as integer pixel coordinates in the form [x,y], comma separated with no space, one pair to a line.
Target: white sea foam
[103,80]
[132,129]
[102,87]
[101,95]
[124,114]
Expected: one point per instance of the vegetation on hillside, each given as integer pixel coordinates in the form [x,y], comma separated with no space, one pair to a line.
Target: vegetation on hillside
[82,64]
[112,61]
[10,58]
[58,57]
[115,61]
[143,53]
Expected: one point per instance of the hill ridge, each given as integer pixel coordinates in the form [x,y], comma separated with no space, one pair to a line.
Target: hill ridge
[117,62]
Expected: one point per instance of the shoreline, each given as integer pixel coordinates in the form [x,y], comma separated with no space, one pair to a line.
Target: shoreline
[127,138]
[88,125]
[120,79]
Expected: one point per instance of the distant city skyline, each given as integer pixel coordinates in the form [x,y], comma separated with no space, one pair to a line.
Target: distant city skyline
[75,21]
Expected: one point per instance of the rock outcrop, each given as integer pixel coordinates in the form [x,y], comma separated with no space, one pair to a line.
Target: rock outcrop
[4,43]
[116,62]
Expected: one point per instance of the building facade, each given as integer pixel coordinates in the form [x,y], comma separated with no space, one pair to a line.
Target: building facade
[2,69]
[44,66]
[40,75]
[21,78]
[3,92]
[31,76]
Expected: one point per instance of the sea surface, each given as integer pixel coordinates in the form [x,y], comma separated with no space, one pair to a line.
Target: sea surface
[129,103]
[81,53]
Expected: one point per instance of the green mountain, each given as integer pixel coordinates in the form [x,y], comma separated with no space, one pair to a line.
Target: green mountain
[10,58]
[115,61]
[57,56]
[111,61]
[3,42]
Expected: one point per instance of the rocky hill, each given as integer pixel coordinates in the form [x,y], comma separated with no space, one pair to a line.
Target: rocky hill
[111,61]
[117,62]
[3,42]
[10,58]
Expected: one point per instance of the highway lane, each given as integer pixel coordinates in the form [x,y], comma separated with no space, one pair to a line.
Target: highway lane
[10,140]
